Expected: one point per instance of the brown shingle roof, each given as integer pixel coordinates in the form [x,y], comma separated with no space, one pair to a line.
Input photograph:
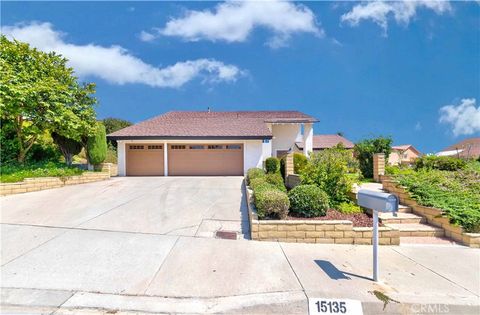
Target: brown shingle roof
[470,148]
[328,141]
[184,124]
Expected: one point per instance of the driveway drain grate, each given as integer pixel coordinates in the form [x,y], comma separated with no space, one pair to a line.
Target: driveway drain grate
[228,235]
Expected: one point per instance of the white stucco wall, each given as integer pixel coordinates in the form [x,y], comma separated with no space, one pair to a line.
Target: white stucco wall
[121,161]
[284,136]
[254,154]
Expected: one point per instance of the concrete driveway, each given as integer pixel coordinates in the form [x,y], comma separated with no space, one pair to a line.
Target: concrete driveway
[147,245]
[187,206]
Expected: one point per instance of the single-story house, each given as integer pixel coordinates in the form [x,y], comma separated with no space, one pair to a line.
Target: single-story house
[466,149]
[405,153]
[184,143]
[322,142]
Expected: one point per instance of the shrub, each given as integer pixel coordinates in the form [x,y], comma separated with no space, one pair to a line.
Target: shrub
[276,180]
[443,163]
[271,202]
[97,145]
[349,208]
[308,200]
[328,170]
[254,173]
[272,165]
[259,183]
[299,162]
[365,149]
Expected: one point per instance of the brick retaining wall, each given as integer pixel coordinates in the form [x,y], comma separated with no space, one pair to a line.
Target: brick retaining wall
[41,183]
[432,215]
[315,231]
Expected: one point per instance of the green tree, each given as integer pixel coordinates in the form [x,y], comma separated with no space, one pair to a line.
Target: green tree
[113,124]
[68,147]
[328,170]
[97,145]
[38,92]
[365,149]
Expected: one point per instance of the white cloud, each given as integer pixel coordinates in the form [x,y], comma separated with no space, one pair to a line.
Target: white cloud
[146,36]
[233,21]
[115,64]
[464,117]
[402,11]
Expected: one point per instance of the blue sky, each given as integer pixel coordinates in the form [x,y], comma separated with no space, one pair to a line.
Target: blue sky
[407,70]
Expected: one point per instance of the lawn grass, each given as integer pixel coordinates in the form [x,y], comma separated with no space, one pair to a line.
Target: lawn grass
[457,193]
[12,173]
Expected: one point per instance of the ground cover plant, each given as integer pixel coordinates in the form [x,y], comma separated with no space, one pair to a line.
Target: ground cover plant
[17,172]
[457,193]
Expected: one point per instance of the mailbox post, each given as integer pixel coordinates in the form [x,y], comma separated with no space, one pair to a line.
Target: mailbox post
[377,202]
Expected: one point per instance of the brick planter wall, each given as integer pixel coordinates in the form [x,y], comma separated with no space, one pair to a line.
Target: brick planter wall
[108,167]
[315,231]
[41,183]
[432,215]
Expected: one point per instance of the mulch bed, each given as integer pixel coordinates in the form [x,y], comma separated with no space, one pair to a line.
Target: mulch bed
[358,219]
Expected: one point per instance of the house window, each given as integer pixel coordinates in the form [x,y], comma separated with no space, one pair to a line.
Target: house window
[154,147]
[197,147]
[215,147]
[177,147]
[405,155]
[136,147]
[233,147]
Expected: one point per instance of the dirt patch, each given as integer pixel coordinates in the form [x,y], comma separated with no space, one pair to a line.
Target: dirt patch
[358,219]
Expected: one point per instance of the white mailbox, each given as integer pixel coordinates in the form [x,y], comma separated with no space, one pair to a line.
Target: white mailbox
[378,201]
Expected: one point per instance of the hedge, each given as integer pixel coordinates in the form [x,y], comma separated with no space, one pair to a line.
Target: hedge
[308,201]
[272,202]
[254,173]
[277,181]
[272,165]
[443,163]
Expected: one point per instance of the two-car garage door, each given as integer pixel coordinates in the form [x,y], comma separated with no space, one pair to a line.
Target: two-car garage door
[185,159]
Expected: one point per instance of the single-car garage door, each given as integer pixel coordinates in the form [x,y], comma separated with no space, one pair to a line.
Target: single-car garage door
[144,160]
[205,159]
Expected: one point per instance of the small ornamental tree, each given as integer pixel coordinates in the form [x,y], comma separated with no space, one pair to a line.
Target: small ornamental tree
[365,149]
[272,165]
[68,147]
[97,145]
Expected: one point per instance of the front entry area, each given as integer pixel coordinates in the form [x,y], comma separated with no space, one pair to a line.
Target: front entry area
[144,159]
[205,159]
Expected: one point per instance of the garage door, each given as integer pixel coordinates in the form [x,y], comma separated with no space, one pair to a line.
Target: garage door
[205,159]
[144,160]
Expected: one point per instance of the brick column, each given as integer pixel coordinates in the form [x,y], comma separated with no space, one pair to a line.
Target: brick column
[289,169]
[378,166]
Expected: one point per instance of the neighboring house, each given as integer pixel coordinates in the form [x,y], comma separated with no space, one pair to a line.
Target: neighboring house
[322,142]
[406,153]
[466,149]
[209,143]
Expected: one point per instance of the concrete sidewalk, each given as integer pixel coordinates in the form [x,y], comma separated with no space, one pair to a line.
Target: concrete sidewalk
[76,270]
